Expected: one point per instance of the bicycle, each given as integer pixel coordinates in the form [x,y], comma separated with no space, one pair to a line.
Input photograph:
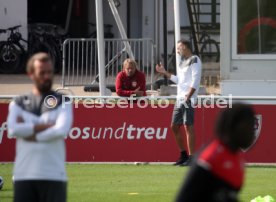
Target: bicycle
[12,53]
[209,51]
[45,38]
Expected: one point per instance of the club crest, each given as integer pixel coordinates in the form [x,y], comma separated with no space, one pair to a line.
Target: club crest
[258,126]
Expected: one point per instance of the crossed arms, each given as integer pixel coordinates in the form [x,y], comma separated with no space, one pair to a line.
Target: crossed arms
[40,132]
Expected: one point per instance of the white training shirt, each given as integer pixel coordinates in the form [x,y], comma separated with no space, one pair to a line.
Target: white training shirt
[188,76]
[44,159]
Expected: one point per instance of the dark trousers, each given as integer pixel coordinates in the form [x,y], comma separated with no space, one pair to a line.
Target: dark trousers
[40,191]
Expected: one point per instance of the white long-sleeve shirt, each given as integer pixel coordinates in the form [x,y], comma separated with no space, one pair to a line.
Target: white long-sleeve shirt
[188,76]
[45,158]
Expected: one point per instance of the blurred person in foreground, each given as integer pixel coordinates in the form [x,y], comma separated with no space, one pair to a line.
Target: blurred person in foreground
[40,121]
[130,81]
[218,173]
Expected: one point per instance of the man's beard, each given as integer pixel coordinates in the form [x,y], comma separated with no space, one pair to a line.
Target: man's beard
[44,87]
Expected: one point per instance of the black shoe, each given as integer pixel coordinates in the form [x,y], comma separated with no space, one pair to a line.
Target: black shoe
[188,162]
[180,161]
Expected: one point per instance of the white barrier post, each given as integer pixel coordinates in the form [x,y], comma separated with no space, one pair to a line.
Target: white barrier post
[176,29]
[101,45]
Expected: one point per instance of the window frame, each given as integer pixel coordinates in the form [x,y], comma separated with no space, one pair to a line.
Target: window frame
[235,54]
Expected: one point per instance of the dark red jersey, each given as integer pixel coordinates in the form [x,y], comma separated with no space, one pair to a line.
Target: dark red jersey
[125,85]
[223,163]
[216,176]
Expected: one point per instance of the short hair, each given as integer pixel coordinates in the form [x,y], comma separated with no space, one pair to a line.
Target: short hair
[132,62]
[186,43]
[229,118]
[41,56]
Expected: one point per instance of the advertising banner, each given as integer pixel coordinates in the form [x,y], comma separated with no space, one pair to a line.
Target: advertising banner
[105,134]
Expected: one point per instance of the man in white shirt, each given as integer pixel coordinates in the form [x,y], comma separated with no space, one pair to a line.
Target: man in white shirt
[40,121]
[188,81]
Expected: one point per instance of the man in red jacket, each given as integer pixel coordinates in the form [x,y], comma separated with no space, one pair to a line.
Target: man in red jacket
[130,81]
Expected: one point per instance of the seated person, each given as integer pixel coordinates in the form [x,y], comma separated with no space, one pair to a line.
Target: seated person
[130,81]
[218,173]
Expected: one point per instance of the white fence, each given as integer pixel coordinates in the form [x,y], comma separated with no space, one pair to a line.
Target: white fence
[80,60]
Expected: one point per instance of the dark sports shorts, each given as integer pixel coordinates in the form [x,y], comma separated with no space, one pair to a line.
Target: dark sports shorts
[40,190]
[183,113]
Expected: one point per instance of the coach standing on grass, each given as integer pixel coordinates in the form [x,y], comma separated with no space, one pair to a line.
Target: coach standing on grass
[40,121]
[188,81]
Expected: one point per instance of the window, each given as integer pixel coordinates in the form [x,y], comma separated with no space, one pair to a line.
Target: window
[254,26]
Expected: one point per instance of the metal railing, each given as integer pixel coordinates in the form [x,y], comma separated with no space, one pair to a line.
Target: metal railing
[80,60]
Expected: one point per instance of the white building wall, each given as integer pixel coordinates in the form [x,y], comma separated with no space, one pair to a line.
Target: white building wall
[12,13]
[225,45]
[248,77]
[148,19]
[136,19]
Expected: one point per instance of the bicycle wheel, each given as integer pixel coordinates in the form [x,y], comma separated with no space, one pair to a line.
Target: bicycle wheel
[11,56]
[210,51]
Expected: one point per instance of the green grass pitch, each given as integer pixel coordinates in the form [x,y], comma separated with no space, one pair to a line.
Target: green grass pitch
[144,183]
